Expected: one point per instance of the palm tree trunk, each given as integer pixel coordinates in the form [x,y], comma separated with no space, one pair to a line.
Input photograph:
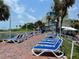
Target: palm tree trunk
[49,24]
[59,25]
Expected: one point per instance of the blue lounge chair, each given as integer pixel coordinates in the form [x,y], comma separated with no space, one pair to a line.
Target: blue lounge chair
[48,47]
[49,41]
[51,35]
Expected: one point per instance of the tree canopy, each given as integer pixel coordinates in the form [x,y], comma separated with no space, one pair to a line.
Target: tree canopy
[4,11]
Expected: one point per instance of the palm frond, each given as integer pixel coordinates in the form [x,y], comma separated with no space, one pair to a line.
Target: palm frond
[4,12]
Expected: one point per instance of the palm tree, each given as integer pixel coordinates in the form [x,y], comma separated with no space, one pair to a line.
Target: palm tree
[4,11]
[60,9]
[48,20]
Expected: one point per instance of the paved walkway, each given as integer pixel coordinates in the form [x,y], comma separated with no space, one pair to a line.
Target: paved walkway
[22,50]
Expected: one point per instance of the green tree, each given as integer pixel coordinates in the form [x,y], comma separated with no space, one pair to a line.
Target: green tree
[76,24]
[30,26]
[4,11]
[24,26]
[39,24]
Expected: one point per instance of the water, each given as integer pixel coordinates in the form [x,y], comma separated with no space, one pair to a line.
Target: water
[7,35]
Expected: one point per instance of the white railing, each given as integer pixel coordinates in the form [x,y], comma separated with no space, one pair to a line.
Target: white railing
[74,42]
[72,49]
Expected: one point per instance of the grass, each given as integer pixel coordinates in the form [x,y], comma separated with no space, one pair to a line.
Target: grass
[66,48]
[76,52]
[16,30]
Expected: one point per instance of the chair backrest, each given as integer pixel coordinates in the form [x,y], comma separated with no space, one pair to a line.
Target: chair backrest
[24,36]
[51,35]
[19,36]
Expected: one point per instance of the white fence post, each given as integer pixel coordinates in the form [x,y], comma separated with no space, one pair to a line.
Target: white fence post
[72,50]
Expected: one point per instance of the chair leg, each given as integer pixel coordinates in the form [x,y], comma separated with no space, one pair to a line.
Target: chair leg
[57,55]
[37,54]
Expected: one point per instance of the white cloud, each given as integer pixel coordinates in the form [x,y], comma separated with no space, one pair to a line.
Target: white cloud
[20,10]
[74,8]
[15,6]
[72,12]
[31,18]
[20,17]
[32,10]
[21,22]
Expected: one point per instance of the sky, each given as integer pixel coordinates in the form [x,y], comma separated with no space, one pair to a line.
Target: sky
[26,11]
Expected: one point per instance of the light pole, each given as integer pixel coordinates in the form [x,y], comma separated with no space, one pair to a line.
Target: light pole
[78,15]
[10,24]
[26,27]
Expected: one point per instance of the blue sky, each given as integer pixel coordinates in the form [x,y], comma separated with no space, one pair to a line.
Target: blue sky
[74,10]
[24,11]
